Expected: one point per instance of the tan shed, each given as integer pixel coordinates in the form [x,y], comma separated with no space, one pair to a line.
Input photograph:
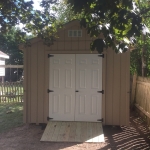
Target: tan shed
[66,82]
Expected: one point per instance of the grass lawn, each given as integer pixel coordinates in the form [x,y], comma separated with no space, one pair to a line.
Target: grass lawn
[11,115]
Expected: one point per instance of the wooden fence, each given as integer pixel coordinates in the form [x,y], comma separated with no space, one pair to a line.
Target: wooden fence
[11,92]
[141,95]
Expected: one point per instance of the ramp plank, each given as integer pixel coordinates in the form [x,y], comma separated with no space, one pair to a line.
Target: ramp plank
[100,131]
[84,131]
[94,132]
[78,132]
[56,131]
[48,133]
[89,132]
[67,131]
[61,131]
[72,132]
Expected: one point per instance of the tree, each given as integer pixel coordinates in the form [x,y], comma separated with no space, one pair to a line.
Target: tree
[9,45]
[64,13]
[120,21]
[140,56]
[137,56]
[13,12]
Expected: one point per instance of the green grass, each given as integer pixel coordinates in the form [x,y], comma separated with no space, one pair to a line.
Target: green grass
[11,116]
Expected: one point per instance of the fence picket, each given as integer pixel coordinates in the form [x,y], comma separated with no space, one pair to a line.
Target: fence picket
[143,96]
[133,90]
[11,92]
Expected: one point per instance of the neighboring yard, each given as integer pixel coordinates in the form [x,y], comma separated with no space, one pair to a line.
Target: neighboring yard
[11,115]
[11,92]
[14,135]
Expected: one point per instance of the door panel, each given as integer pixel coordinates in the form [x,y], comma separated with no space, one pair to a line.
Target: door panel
[81,73]
[88,82]
[62,83]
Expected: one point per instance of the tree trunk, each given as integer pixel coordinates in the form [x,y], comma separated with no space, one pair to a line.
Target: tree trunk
[143,56]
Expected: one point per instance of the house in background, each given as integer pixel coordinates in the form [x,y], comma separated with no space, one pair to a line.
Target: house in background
[3,57]
[66,82]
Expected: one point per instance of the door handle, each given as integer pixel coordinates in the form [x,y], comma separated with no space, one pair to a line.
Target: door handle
[77,91]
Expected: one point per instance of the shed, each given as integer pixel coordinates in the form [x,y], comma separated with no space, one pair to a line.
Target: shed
[66,82]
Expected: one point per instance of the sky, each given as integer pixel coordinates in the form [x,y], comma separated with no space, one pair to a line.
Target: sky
[37,4]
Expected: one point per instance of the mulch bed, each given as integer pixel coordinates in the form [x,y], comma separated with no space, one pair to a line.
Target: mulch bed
[27,137]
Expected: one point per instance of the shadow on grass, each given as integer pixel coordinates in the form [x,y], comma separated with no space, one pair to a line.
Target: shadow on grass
[11,115]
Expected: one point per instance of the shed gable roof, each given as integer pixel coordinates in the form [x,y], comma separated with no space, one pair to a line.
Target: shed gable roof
[37,39]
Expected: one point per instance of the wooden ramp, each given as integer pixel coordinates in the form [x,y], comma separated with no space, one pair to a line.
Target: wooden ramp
[59,131]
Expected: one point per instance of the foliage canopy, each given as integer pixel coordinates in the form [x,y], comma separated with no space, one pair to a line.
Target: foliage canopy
[140,57]
[120,21]
[9,45]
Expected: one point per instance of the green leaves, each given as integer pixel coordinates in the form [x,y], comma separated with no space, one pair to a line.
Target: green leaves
[114,20]
[98,44]
[9,45]
[12,11]
[124,17]
[83,23]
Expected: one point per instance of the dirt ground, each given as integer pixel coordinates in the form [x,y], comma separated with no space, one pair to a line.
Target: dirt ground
[27,137]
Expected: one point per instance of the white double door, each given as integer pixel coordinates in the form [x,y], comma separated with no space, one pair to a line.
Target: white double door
[75,82]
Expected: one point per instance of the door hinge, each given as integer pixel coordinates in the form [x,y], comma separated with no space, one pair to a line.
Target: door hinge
[48,91]
[101,55]
[48,118]
[49,55]
[101,120]
[101,91]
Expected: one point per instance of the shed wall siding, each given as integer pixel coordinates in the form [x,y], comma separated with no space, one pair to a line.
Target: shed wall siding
[40,81]
[109,87]
[34,84]
[117,88]
[115,101]
[25,83]
[46,86]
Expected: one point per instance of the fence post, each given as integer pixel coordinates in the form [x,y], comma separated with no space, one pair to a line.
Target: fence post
[133,90]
